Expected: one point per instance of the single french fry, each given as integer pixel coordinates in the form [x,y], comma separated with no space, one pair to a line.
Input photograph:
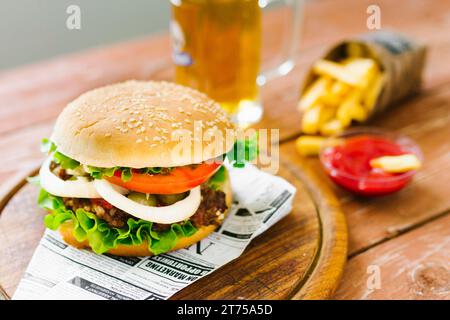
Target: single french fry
[370,97]
[359,113]
[344,115]
[311,119]
[329,99]
[332,97]
[326,114]
[313,93]
[396,164]
[345,111]
[336,71]
[331,127]
[335,94]
[363,69]
[339,88]
[309,145]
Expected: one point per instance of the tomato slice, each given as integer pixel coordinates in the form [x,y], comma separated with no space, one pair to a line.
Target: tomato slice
[180,179]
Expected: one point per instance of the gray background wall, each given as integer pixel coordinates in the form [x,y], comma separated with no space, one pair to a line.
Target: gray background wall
[34,30]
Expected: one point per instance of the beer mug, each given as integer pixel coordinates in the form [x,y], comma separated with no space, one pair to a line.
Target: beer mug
[217,50]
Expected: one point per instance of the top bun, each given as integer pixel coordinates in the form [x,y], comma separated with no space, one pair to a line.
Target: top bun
[131,124]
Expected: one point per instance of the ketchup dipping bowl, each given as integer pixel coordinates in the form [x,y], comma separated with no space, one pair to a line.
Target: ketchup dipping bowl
[346,159]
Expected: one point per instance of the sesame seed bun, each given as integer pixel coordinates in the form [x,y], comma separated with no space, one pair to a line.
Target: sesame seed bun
[66,231]
[133,123]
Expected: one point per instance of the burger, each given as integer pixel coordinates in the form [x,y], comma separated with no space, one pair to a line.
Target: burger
[117,180]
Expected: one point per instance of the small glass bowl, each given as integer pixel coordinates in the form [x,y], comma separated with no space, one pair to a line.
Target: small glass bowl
[365,184]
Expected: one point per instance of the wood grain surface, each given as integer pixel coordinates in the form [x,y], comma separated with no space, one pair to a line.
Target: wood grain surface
[411,266]
[301,257]
[373,224]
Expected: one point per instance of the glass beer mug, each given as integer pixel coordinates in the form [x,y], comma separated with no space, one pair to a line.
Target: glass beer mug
[217,50]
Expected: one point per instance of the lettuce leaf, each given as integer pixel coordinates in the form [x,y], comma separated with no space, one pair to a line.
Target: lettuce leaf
[47,146]
[126,174]
[244,151]
[217,180]
[98,173]
[156,170]
[101,237]
[65,162]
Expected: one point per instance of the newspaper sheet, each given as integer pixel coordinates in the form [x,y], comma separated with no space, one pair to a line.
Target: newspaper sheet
[59,271]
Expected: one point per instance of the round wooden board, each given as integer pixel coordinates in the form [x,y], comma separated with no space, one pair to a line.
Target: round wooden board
[301,257]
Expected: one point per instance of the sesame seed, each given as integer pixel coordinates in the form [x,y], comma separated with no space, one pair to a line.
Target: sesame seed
[138,140]
[108,134]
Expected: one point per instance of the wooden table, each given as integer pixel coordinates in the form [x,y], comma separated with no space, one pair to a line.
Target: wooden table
[405,237]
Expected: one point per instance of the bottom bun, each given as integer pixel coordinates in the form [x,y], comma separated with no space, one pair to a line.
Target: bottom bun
[66,231]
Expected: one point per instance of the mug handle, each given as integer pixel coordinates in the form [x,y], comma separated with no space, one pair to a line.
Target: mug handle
[290,44]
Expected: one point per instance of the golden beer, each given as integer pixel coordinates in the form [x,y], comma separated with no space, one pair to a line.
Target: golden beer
[223,41]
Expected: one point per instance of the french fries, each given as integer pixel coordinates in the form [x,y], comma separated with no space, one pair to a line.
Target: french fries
[343,92]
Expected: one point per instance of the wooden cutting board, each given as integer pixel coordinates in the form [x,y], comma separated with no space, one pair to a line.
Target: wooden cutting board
[301,257]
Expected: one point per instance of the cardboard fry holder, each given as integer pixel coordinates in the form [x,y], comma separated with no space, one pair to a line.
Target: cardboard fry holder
[400,59]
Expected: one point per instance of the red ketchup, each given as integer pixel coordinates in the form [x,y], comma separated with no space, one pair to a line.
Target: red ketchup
[348,165]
